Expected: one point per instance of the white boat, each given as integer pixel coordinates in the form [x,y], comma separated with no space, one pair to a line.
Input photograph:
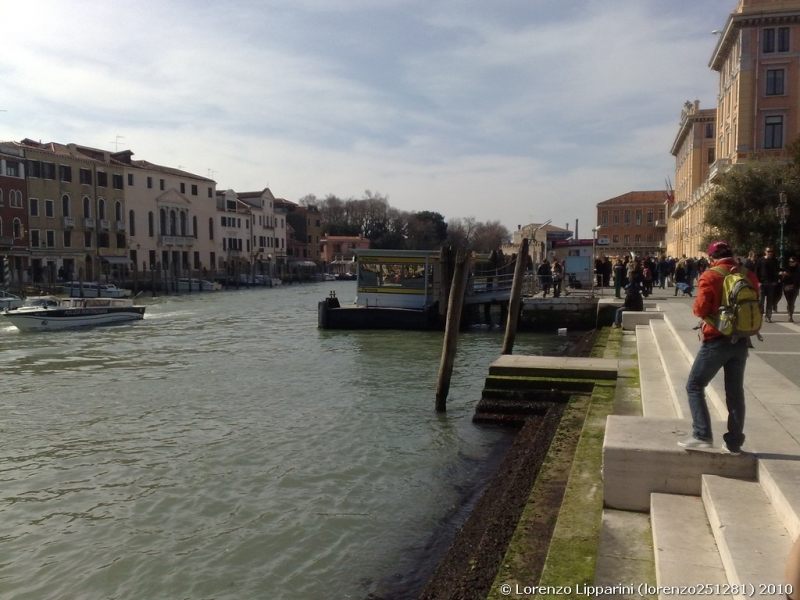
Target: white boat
[9,300]
[47,313]
[197,285]
[91,290]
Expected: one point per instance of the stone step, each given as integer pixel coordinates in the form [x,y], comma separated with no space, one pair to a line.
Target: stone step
[555,367]
[641,456]
[676,367]
[752,542]
[684,547]
[657,398]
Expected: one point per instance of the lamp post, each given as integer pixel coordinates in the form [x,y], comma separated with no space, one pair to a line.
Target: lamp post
[782,211]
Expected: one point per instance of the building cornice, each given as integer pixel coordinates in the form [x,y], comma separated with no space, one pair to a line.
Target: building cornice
[739,21]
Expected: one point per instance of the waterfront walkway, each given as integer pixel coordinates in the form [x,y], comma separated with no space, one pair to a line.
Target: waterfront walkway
[699,517]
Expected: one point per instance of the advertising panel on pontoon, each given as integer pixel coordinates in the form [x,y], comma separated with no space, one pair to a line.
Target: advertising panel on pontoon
[395,278]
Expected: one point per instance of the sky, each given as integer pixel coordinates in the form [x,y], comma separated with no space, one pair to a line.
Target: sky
[516,111]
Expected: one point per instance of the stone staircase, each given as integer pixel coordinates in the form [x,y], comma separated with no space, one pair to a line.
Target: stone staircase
[720,521]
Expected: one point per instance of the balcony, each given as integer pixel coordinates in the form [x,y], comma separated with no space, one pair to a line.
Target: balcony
[88,223]
[678,209]
[69,222]
[105,225]
[6,240]
[720,167]
[661,223]
[175,240]
[120,225]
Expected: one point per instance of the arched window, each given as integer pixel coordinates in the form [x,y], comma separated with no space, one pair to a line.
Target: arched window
[150,223]
[101,208]
[162,225]
[194,227]
[131,223]
[211,228]
[65,210]
[173,223]
[87,208]
[183,223]
[17,227]
[118,210]
[1,197]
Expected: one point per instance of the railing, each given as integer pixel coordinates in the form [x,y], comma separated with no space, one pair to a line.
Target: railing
[69,222]
[120,225]
[88,223]
[105,225]
[484,284]
[175,240]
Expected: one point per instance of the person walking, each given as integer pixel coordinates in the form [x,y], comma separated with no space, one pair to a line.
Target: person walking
[557,271]
[717,352]
[790,278]
[545,274]
[767,271]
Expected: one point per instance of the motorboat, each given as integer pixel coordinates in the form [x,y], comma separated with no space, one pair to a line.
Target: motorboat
[8,300]
[197,285]
[92,290]
[48,313]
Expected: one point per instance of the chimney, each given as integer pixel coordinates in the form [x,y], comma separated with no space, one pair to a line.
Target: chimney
[576,229]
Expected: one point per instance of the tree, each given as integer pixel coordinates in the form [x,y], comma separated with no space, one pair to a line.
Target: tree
[742,210]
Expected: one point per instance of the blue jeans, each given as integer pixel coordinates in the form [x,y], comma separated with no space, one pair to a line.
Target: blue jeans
[618,316]
[716,354]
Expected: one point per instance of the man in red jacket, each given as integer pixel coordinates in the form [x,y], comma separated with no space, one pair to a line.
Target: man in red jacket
[717,352]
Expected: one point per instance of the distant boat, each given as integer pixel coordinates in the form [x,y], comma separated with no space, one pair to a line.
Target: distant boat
[91,290]
[8,300]
[43,314]
[197,285]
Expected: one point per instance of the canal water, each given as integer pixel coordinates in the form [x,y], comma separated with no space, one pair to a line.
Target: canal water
[226,448]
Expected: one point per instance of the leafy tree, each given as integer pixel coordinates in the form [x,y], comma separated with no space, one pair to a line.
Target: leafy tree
[742,210]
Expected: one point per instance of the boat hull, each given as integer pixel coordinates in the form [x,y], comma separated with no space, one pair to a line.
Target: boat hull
[332,316]
[50,319]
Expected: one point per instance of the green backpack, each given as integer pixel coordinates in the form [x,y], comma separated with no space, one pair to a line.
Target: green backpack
[740,312]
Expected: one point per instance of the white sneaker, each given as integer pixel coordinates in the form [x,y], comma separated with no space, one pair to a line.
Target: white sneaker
[693,443]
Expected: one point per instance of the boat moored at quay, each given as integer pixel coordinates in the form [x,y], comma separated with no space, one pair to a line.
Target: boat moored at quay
[48,313]
[91,289]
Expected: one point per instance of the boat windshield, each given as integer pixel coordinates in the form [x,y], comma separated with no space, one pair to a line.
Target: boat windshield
[398,275]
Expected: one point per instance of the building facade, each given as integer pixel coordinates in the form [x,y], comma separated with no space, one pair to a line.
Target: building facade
[14,254]
[634,223]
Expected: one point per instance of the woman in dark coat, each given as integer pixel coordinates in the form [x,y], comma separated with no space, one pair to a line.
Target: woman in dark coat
[790,278]
[545,276]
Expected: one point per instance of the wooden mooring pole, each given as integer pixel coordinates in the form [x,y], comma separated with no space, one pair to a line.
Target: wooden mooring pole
[516,298]
[454,306]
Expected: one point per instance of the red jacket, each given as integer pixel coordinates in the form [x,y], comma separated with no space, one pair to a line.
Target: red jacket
[709,293]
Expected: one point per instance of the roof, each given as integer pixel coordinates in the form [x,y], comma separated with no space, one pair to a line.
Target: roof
[651,197]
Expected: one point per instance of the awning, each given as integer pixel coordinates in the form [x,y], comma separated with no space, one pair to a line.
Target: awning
[116,260]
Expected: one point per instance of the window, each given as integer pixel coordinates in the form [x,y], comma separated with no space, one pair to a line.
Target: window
[50,238]
[210,193]
[87,239]
[194,190]
[712,156]
[118,210]
[150,224]
[775,40]
[65,173]
[709,130]
[194,228]
[649,218]
[615,238]
[626,240]
[34,168]
[638,218]
[12,168]
[211,230]
[130,179]
[67,239]
[49,209]
[131,223]
[87,208]
[35,238]
[33,207]
[101,209]
[48,170]
[149,182]
[116,181]
[17,227]
[161,184]
[773,132]
[183,188]
[775,85]
[15,199]
[1,197]
[627,218]
[85,176]
[102,179]
[65,208]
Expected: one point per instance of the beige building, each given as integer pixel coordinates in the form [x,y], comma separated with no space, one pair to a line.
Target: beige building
[694,150]
[757,58]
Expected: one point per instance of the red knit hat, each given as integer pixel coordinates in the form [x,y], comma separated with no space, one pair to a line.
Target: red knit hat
[716,246]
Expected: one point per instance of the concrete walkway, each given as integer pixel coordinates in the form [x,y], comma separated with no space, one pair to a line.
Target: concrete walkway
[721,521]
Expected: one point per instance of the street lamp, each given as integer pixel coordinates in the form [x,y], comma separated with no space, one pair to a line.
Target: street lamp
[782,211]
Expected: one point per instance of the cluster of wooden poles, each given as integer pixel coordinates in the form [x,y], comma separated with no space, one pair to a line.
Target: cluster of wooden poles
[454,306]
